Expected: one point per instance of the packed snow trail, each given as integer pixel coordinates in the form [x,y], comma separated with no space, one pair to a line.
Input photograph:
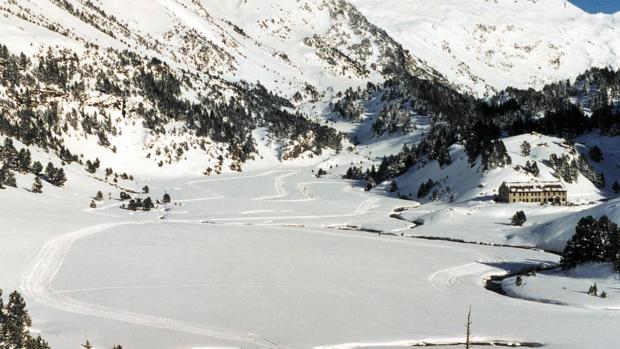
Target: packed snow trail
[278,184]
[37,283]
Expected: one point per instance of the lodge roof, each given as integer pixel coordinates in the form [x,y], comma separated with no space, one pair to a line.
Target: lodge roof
[522,187]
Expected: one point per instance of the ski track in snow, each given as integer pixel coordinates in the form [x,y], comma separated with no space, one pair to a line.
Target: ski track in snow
[451,279]
[37,282]
[278,184]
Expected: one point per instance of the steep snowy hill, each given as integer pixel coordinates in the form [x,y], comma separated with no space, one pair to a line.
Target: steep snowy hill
[163,82]
[287,46]
[462,181]
[485,45]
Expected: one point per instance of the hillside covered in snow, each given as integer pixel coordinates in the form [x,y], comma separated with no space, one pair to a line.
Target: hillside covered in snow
[485,46]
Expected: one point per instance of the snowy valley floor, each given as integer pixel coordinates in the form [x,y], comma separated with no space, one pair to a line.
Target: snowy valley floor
[262,260]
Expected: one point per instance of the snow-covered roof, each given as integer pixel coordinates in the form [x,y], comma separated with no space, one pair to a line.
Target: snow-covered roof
[535,186]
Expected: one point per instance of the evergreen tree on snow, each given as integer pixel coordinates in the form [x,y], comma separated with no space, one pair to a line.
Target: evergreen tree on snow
[166,198]
[23,160]
[7,177]
[526,148]
[594,241]
[37,185]
[16,322]
[532,168]
[519,218]
[36,168]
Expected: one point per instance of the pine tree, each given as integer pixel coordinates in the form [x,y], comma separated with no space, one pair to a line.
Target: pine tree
[36,168]
[526,148]
[147,204]
[37,185]
[519,218]
[17,321]
[23,160]
[596,154]
[518,281]
[124,196]
[393,186]
[93,204]
[99,196]
[166,198]
[425,188]
[616,187]
[593,290]
[145,189]
[7,177]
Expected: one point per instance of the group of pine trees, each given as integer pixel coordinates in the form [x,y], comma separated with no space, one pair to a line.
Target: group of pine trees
[39,120]
[15,325]
[138,204]
[595,241]
[20,161]
[568,169]
[479,124]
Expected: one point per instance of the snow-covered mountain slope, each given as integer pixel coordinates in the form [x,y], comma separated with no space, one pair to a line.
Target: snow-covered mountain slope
[285,45]
[84,57]
[486,46]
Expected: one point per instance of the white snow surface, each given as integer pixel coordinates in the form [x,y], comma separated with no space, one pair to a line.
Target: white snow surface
[262,259]
[486,45]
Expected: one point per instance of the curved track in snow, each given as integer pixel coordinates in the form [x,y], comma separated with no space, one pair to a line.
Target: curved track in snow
[279,186]
[454,279]
[37,283]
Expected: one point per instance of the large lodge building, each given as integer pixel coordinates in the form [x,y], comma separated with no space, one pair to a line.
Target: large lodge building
[542,192]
